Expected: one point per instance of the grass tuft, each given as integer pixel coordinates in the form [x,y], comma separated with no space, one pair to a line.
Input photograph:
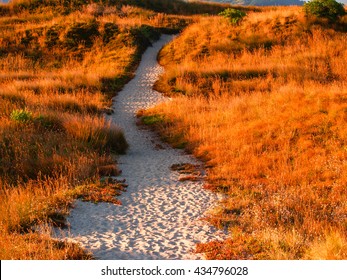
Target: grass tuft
[22,116]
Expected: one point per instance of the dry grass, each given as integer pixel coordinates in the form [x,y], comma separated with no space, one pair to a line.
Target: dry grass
[58,73]
[264,104]
[36,246]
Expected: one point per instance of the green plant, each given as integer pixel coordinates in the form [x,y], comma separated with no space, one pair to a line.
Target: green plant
[329,9]
[22,116]
[235,16]
[152,120]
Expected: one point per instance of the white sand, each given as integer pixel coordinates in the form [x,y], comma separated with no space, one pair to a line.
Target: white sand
[160,217]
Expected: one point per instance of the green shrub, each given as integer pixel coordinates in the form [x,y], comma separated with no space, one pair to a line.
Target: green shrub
[329,9]
[152,120]
[22,116]
[235,16]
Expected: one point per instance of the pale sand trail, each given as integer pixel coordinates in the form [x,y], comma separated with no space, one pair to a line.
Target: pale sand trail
[160,217]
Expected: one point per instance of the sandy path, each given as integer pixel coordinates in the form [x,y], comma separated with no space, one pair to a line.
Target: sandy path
[159,217]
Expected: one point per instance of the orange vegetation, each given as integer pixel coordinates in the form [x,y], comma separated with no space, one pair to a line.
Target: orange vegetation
[264,104]
[57,74]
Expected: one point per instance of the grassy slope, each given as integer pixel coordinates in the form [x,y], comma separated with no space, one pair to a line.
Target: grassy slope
[264,104]
[59,68]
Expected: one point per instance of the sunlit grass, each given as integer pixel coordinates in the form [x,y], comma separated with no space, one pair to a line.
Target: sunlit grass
[263,104]
[60,66]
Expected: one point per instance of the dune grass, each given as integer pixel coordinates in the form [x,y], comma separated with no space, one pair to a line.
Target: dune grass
[59,67]
[53,136]
[263,103]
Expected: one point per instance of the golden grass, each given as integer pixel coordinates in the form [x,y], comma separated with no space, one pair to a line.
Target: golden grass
[36,246]
[58,73]
[263,104]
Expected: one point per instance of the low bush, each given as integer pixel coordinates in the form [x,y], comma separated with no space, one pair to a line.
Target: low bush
[235,16]
[329,9]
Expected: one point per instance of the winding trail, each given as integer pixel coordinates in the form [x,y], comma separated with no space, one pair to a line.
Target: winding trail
[160,217]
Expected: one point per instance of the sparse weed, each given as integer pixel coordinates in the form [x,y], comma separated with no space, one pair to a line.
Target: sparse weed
[22,116]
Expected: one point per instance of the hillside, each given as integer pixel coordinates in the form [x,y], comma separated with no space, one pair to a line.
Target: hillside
[60,65]
[263,104]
